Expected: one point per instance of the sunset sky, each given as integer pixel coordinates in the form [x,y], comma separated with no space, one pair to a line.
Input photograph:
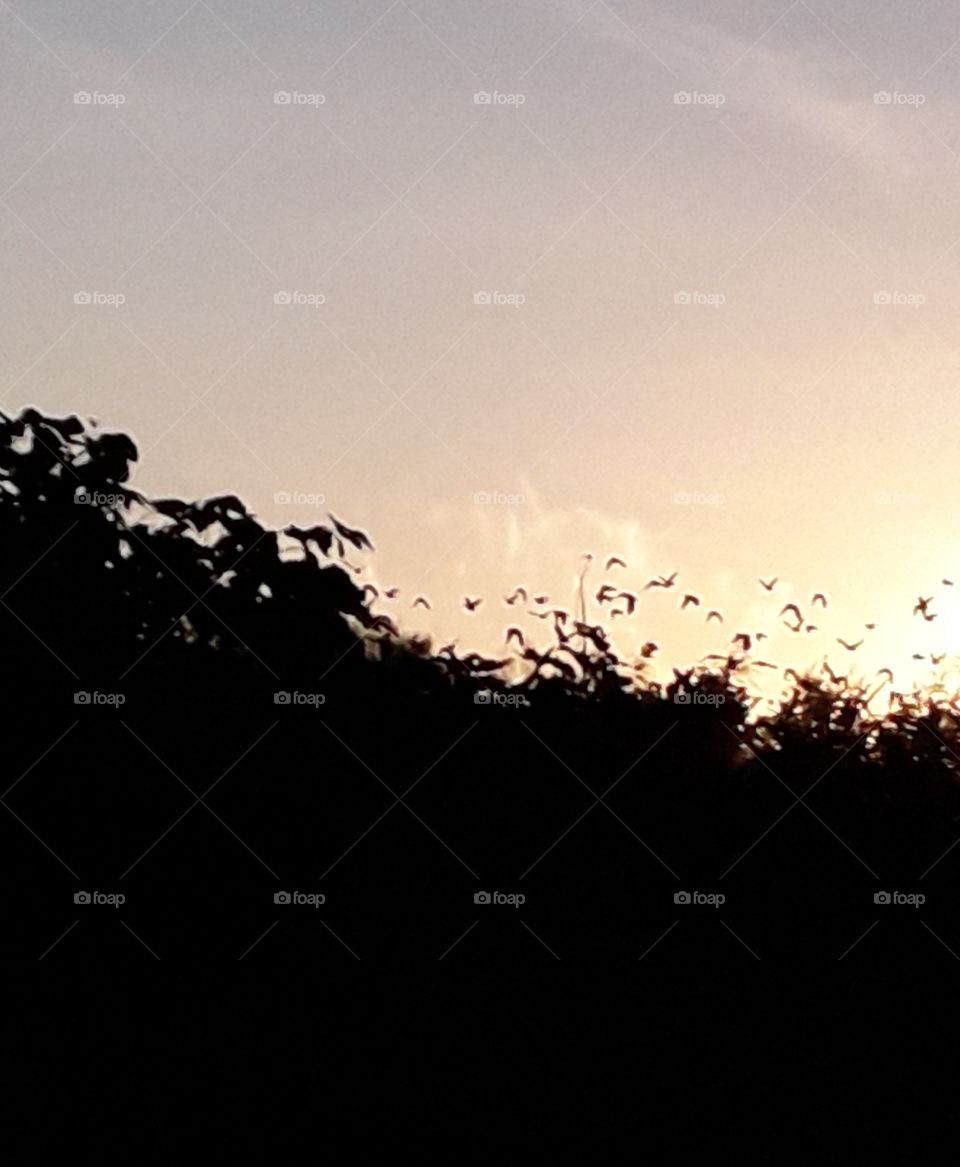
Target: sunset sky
[726,235]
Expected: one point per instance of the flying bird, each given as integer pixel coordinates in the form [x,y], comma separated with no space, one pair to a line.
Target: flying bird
[689,599]
[663,581]
[821,597]
[631,601]
[792,608]
[849,647]
[541,599]
[937,659]
[743,639]
[518,593]
[421,602]
[472,604]
[921,605]
[614,559]
[514,634]
[870,627]
[710,615]
[392,593]
[769,586]
[947,582]
[649,649]
[607,592]
[370,588]
[811,628]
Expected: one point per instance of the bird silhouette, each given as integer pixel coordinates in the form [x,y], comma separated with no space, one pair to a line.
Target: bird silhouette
[937,659]
[420,602]
[921,605]
[370,588]
[743,638]
[811,628]
[887,673]
[919,656]
[947,582]
[518,593]
[849,647]
[607,592]
[630,599]
[541,599]
[689,599]
[514,634]
[710,615]
[614,559]
[663,581]
[791,608]
[821,597]
[392,593]
[649,649]
[870,627]
[769,586]
[471,604]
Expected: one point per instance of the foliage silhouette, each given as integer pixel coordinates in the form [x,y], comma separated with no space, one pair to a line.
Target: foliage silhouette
[201,795]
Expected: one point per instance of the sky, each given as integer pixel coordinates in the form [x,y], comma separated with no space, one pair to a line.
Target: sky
[509,281]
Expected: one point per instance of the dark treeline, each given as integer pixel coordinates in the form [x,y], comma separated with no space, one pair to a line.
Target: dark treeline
[150,751]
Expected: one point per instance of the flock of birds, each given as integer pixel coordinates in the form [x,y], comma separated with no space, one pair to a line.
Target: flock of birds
[623,603]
